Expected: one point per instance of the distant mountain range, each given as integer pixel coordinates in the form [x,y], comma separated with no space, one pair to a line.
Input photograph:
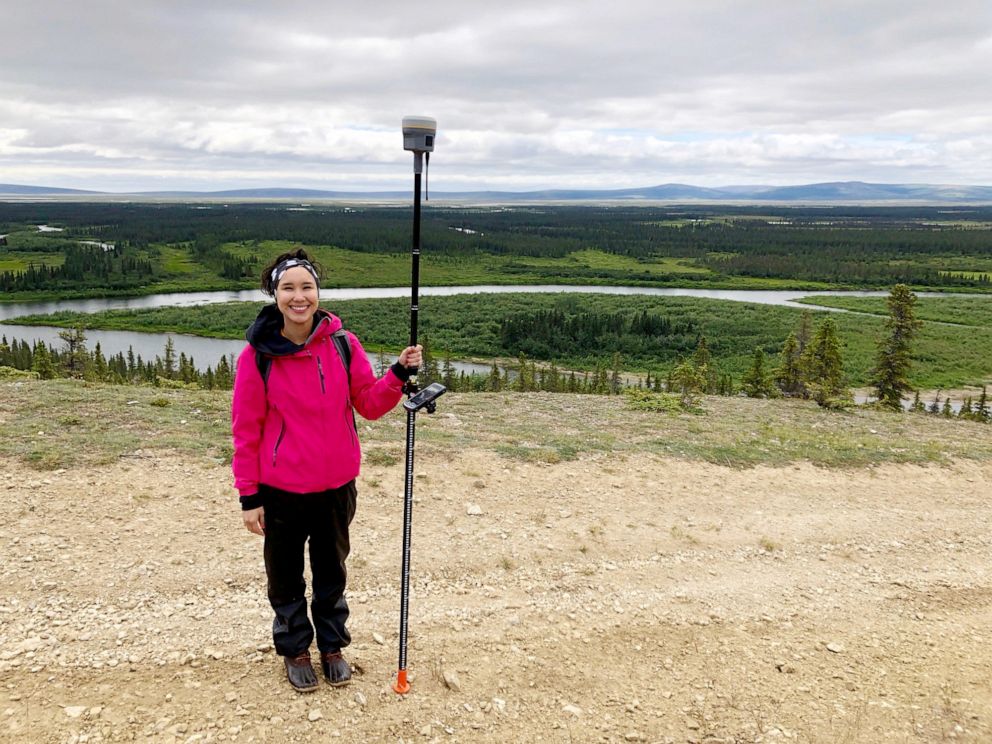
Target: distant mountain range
[841,192]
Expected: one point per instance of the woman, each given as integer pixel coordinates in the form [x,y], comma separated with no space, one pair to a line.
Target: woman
[296,457]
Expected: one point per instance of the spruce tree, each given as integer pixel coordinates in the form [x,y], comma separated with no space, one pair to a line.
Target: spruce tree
[74,356]
[169,361]
[890,376]
[448,374]
[982,407]
[703,360]
[756,382]
[223,376]
[688,382]
[823,372]
[804,331]
[494,383]
[42,363]
[100,368]
[789,374]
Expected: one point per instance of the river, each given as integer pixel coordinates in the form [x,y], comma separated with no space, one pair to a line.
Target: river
[207,351]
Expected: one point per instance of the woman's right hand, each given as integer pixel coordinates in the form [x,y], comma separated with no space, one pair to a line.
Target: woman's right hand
[255,520]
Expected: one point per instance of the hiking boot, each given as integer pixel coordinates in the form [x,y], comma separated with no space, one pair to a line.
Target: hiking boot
[336,670]
[300,673]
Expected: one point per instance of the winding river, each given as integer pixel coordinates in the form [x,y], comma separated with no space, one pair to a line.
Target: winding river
[206,351]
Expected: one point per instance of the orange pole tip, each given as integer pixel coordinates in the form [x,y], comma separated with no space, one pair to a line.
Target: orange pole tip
[401,686]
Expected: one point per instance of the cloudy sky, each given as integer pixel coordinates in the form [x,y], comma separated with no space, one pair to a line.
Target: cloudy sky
[175,94]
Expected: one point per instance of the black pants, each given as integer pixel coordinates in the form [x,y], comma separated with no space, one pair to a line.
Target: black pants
[290,520]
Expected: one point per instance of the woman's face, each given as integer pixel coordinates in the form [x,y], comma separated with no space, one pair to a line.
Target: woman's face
[296,298]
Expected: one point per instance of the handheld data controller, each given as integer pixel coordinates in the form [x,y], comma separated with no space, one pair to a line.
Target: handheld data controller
[425,398]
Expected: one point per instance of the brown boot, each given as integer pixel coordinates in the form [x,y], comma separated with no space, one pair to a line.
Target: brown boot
[300,673]
[336,670]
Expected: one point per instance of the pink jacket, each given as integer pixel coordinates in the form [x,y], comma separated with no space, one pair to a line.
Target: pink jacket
[297,433]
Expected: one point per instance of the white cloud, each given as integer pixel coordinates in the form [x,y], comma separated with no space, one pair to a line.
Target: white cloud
[574,93]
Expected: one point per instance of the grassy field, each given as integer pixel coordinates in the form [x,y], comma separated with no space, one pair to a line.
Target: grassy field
[468,327]
[64,423]
[20,260]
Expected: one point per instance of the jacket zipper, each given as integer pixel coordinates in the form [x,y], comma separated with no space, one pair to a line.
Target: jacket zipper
[349,421]
[275,449]
[320,371]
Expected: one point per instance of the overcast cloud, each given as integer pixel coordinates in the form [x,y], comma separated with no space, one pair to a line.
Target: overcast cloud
[173,94]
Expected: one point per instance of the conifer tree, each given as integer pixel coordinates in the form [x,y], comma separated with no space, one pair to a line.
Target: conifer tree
[99,367]
[42,362]
[429,370]
[703,360]
[917,406]
[615,383]
[822,366]
[935,406]
[789,373]
[688,382]
[893,361]
[982,407]
[947,411]
[74,357]
[448,374]
[804,331]
[494,382]
[756,382]
[169,361]
[223,376]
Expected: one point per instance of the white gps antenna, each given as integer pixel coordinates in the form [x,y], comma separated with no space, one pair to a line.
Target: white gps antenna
[418,137]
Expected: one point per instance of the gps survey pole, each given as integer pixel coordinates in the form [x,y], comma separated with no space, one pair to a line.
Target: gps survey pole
[418,136]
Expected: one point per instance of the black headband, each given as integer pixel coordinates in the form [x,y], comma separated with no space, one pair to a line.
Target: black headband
[290,263]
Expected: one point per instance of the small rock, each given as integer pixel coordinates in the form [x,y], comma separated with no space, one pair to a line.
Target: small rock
[473,510]
[31,644]
[75,711]
[836,648]
[426,730]
[572,710]
[314,715]
[377,637]
[231,697]
[451,680]
[360,699]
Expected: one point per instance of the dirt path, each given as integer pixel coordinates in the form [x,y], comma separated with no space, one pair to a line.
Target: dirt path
[605,599]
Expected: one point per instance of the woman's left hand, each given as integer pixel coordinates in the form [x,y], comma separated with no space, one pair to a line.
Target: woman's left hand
[411,356]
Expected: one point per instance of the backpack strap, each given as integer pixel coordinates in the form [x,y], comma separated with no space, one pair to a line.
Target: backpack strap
[343,345]
[264,363]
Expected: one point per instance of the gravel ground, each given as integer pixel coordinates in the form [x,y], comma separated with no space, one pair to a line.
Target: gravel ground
[608,598]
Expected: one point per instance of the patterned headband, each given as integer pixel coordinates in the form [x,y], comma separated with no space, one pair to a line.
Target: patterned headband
[289,263]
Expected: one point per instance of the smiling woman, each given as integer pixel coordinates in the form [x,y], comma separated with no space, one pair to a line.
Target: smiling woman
[297,455]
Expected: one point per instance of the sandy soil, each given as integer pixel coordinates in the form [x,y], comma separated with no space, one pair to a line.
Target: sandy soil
[604,599]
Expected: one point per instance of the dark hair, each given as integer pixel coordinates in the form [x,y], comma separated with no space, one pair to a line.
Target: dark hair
[267,286]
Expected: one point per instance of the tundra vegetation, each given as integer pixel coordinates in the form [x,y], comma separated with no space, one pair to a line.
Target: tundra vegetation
[574,343]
